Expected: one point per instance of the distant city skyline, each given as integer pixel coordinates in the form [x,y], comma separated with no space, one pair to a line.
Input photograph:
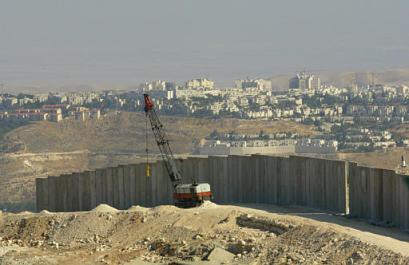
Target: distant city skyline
[96,42]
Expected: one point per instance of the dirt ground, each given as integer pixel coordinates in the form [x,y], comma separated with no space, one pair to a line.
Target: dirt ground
[210,234]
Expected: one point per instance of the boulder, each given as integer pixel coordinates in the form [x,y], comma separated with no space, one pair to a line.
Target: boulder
[219,255]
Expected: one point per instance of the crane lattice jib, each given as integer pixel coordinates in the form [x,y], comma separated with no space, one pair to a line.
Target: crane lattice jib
[162,141]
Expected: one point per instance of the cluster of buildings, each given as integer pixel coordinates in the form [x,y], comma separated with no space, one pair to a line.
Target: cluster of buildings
[217,147]
[254,84]
[83,114]
[262,143]
[316,146]
[47,113]
[201,83]
[249,147]
[37,108]
[362,138]
[356,117]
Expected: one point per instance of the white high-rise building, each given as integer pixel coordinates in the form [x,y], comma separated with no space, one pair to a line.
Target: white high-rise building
[262,84]
[305,81]
[200,83]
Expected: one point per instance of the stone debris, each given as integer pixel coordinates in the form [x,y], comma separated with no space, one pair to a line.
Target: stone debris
[220,255]
[209,205]
[168,235]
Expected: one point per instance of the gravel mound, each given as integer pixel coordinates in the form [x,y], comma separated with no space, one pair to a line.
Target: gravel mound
[104,208]
[215,234]
[165,209]
[209,204]
[24,213]
[45,212]
[137,208]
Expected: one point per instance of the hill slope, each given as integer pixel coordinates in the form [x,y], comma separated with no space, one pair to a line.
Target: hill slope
[389,77]
[46,148]
[125,132]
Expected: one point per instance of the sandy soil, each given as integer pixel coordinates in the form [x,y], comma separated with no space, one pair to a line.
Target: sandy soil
[211,234]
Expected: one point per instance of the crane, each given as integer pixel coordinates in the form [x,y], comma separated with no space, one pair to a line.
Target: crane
[185,195]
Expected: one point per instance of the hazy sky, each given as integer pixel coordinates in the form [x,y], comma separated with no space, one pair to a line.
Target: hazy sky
[52,42]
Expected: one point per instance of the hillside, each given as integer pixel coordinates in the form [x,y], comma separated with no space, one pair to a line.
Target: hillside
[46,148]
[18,171]
[125,132]
[389,159]
[389,77]
[401,130]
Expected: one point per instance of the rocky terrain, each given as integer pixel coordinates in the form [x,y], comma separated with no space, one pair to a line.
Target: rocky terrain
[210,234]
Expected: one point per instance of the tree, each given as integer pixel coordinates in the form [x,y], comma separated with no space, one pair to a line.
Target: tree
[214,135]
[263,135]
[317,123]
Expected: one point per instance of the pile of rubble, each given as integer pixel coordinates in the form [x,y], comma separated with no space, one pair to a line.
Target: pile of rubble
[210,234]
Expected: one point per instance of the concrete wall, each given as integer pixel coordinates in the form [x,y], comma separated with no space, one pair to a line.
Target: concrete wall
[374,194]
[379,195]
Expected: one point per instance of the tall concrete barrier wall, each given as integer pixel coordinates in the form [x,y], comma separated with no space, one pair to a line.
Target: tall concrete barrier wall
[373,194]
[317,183]
[378,195]
[291,180]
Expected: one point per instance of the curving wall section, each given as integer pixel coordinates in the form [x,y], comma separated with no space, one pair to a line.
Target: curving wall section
[377,195]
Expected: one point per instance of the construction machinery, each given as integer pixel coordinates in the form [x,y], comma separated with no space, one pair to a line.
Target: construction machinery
[185,195]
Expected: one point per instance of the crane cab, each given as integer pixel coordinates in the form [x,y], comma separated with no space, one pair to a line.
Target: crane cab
[192,195]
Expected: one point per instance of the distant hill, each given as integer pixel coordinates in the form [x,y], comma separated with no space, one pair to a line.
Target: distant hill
[125,132]
[389,159]
[389,77]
